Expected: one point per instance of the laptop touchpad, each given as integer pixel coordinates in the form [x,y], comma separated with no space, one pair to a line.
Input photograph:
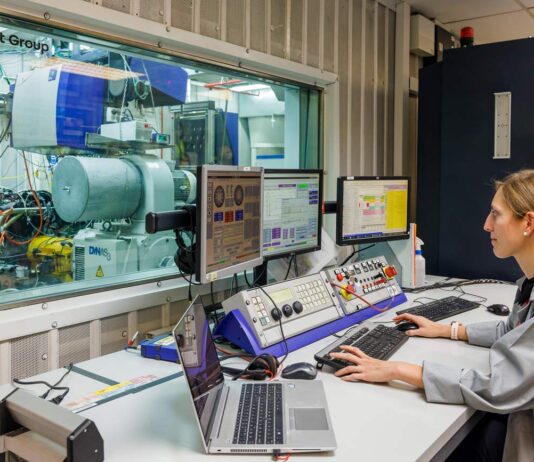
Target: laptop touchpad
[310,419]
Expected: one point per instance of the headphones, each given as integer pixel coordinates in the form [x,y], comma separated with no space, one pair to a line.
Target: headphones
[261,367]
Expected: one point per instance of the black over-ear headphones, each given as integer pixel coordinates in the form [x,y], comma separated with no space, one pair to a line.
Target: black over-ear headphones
[261,367]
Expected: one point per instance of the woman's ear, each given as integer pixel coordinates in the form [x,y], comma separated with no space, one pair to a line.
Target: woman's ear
[529,219]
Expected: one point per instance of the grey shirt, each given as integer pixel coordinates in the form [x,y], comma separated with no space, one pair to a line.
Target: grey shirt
[509,386]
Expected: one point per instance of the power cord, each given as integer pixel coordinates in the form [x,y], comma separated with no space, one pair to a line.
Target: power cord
[57,399]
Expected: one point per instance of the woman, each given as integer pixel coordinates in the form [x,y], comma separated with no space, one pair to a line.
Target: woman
[509,386]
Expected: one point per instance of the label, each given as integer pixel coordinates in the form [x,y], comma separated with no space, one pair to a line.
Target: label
[99,272]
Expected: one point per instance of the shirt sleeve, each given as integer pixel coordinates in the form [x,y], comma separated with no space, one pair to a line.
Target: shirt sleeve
[508,387]
[486,333]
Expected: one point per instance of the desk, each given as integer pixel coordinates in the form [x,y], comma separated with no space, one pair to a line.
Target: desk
[372,422]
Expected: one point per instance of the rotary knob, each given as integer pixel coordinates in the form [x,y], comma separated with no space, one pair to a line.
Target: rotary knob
[297,307]
[276,314]
[287,310]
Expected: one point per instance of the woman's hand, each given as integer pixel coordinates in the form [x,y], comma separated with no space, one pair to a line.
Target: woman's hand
[427,328]
[363,367]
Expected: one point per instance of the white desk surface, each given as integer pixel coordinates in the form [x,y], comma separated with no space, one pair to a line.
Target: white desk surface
[372,422]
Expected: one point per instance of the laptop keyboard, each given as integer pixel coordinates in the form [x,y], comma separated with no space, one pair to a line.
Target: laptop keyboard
[260,416]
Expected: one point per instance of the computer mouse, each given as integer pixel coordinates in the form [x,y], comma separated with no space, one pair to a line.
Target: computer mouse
[404,326]
[304,371]
[499,309]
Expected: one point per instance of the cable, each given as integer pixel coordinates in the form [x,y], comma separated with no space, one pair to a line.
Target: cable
[19,243]
[211,292]
[280,322]
[356,252]
[289,266]
[296,267]
[351,291]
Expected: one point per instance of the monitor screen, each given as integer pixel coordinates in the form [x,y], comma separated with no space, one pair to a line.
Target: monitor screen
[292,216]
[229,220]
[371,209]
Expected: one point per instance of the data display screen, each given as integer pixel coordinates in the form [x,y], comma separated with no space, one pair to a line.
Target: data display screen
[291,212]
[230,220]
[372,209]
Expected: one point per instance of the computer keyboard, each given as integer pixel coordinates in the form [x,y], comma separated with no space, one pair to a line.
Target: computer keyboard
[380,343]
[260,418]
[441,309]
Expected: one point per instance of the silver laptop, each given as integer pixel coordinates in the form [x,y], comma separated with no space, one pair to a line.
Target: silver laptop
[285,416]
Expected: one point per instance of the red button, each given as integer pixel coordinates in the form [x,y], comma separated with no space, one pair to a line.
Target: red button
[339,277]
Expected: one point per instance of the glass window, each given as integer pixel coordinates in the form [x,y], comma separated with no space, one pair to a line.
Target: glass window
[94,135]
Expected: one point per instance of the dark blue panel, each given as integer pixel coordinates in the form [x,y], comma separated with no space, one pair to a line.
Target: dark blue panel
[169,82]
[80,108]
[470,78]
[232,129]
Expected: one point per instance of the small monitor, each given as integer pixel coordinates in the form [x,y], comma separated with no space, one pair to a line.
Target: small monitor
[372,209]
[292,217]
[229,220]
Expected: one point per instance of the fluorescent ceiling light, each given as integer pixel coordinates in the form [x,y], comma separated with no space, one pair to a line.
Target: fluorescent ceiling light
[252,87]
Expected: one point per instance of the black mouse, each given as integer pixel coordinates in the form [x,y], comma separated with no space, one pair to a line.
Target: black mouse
[407,325]
[499,309]
[304,371]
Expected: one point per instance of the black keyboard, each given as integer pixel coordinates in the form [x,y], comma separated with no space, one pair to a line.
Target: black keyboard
[260,417]
[380,343]
[441,309]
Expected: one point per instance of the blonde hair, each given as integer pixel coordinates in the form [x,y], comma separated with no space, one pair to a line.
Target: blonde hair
[518,191]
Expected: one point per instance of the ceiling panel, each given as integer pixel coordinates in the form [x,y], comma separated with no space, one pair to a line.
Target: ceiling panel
[459,10]
[499,28]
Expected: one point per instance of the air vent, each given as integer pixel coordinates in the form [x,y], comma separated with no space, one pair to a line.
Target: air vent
[249,451]
[79,263]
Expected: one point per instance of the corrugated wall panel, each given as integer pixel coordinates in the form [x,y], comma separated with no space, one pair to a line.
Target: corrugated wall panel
[369,102]
[390,29]
[235,22]
[296,27]
[380,89]
[119,5]
[154,10]
[210,18]
[258,17]
[358,67]
[312,32]
[182,14]
[277,28]
[344,60]
[329,32]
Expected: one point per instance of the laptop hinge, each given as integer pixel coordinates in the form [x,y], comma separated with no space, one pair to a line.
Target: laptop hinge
[217,417]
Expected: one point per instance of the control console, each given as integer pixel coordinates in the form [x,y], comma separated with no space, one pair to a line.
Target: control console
[302,304]
[373,280]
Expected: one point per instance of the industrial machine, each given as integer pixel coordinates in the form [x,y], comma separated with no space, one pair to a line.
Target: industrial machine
[115,241]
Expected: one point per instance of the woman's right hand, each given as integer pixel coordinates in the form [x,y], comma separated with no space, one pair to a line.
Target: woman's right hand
[427,328]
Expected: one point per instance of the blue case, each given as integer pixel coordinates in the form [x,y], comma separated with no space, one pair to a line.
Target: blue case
[161,347]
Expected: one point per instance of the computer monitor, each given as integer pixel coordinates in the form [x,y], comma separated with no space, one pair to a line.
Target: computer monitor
[229,220]
[372,209]
[292,217]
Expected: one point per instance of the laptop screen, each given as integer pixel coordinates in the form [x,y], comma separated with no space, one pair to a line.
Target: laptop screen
[200,362]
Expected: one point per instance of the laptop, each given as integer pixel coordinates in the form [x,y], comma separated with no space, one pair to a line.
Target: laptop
[248,417]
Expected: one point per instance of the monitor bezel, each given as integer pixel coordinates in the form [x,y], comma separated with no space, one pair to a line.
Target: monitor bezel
[317,246]
[339,212]
[201,275]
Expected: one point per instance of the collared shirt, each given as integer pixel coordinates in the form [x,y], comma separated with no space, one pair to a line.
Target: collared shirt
[509,386]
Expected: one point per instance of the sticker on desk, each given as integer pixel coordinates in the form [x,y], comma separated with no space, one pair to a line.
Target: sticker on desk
[94,398]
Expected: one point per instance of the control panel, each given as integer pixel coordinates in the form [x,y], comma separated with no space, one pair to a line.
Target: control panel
[373,280]
[302,304]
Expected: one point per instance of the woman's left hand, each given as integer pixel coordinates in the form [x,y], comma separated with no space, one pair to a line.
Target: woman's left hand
[363,367]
